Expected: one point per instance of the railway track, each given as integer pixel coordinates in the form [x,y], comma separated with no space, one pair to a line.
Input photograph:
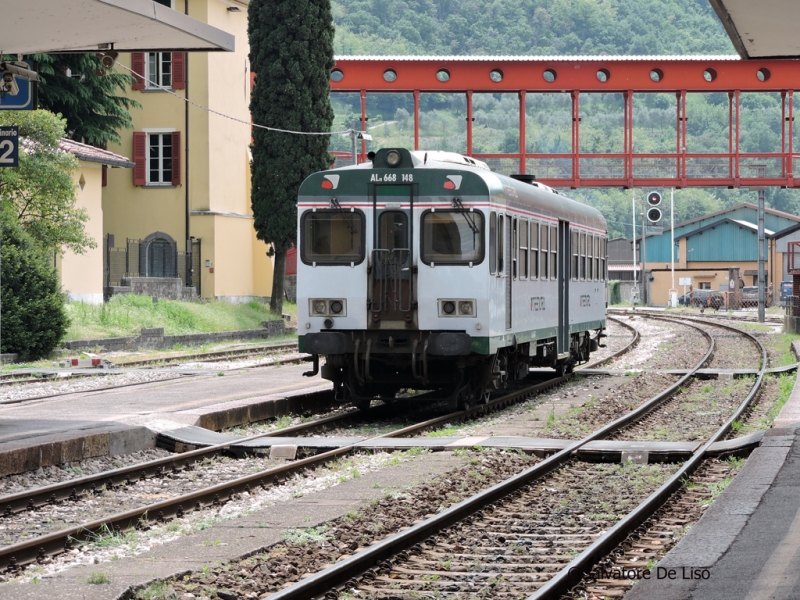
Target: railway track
[16,555]
[426,543]
[205,357]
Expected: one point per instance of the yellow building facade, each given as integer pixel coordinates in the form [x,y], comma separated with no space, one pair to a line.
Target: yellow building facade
[81,275]
[190,189]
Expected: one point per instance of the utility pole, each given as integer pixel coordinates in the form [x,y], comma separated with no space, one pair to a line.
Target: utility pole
[634,291]
[353,142]
[762,288]
[673,291]
[645,295]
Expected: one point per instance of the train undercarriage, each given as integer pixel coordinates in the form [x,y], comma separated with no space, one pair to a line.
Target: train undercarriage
[363,366]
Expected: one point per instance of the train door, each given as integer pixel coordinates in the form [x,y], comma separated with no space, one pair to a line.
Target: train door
[508,245]
[392,296]
[563,275]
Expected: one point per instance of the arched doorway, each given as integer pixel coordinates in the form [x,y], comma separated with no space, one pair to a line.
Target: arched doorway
[159,256]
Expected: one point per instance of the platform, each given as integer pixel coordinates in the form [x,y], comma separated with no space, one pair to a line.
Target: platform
[87,424]
[748,541]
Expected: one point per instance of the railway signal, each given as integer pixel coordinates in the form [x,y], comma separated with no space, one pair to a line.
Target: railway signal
[654,212]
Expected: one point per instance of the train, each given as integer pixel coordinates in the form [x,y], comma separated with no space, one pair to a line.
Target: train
[428,271]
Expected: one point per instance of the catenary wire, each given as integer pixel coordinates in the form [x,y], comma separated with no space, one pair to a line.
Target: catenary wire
[221,114]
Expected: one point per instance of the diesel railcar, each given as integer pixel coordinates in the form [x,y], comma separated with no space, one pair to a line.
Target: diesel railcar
[427,270]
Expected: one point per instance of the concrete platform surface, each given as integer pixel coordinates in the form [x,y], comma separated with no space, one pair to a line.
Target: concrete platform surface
[747,544]
[88,424]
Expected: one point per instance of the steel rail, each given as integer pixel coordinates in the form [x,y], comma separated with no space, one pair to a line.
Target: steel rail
[635,342]
[582,564]
[342,571]
[19,554]
[210,356]
[56,542]
[281,361]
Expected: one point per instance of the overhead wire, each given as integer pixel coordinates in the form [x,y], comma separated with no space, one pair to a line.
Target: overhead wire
[221,114]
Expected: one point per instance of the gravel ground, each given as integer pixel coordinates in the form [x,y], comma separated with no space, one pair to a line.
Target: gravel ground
[311,549]
[12,484]
[117,546]
[693,414]
[658,535]
[663,345]
[617,338]
[85,384]
[205,473]
[581,498]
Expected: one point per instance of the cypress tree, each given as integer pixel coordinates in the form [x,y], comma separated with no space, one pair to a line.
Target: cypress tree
[291,52]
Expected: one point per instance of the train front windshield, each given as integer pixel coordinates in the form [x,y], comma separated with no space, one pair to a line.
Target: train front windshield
[332,237]
[452,237]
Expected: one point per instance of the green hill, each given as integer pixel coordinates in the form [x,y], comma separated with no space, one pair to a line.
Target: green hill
[556,27]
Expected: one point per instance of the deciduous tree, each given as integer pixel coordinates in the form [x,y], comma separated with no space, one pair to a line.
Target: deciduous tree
[291,52]
[41,191]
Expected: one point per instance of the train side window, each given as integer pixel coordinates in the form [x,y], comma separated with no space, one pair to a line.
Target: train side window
[501,245]
[553,252]
[575,250]
[493,243]
[597,258]
[534,250]
[604,259]
[514,247]
[451,237]
[583,256]
[523,248]
[589,257]
[544,244]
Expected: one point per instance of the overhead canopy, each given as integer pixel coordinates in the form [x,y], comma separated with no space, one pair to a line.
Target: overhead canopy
[763,28]
[36,26]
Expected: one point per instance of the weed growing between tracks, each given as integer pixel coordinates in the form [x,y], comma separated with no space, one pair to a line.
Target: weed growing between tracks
[774,394]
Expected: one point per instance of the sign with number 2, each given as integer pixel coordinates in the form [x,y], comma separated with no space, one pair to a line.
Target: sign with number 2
[9,146]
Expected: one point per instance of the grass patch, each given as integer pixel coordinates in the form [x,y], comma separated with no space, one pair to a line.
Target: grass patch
[779,347]
[301,537]
[126,315]
[98,578]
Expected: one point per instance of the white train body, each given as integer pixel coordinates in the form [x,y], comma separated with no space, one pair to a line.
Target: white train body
[427,270]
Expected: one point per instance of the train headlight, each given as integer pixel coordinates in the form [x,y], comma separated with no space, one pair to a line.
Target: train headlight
[319,307]
[326,307]
[393,158]
[457,307]
[465,308]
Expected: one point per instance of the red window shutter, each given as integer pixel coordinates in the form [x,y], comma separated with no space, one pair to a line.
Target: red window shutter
[178,71]
[176,157]
[137,66]
[105,175]
[140,158]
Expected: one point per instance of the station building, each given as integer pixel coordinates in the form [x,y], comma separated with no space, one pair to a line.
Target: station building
[179,223]
[706,247]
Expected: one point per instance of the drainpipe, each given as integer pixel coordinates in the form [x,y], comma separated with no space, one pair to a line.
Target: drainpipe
[186,135]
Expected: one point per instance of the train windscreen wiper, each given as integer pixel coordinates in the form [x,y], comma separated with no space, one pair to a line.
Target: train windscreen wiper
[468,217]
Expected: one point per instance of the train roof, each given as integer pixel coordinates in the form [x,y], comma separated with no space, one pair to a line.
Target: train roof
[528,196]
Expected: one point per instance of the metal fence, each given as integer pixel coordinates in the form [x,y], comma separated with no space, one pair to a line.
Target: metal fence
[792,304]
[149,258]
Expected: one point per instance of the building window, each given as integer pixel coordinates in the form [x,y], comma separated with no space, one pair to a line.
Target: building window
[704,285]
[159,158]
[159,69]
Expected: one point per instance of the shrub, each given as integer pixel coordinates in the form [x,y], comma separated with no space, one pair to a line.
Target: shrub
[614,293]
[33,319]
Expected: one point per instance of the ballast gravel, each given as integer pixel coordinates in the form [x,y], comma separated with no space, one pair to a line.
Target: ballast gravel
[53,386]
[44,476]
